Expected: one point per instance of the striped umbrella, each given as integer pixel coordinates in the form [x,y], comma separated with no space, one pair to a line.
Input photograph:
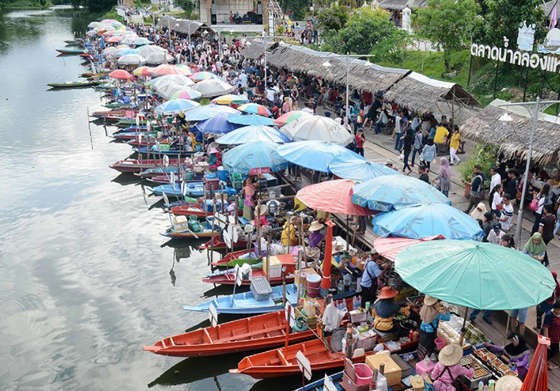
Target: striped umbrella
[176,106]
[186,94]
[120,74]
[201,76]
[253,108]
[231,99]
[290,116]
[142,71]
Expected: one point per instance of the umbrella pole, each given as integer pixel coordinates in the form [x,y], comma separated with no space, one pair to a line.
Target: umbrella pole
[347,238]
[463,330]
[302,241]
[355,231]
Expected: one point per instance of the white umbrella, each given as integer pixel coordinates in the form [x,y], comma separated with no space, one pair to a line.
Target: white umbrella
[131,59]
[165,80]
[213,87]
[129,39]
[93,24]
[150,49]
[317,128]
[166,91]
[158,58]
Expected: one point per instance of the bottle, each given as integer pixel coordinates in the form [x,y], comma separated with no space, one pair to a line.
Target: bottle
[485,388]
[480,386]
[367,306]
[491,384]
[356,303]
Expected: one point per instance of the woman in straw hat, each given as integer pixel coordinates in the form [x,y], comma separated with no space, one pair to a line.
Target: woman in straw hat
[509,383]
[263,220]
[316,240]
[385,309]
[448,368]
[430,314]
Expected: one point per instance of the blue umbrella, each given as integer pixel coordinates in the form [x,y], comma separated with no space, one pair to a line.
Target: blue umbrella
[395,192]
[359,169]
[258,156]
[253,133]
[315,155]
[250,120]
[427,219]
[218,124]
[176,106]
[204,112]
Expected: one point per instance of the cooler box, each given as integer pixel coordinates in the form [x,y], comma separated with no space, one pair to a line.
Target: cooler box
[222,174]
[393,372]
[274,268]
[195,189]
[289,262]
[260,288]
[301,277]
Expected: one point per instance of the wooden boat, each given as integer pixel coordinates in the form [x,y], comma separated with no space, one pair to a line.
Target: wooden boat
[248,334]
[246,304]
[220,245]
[72,42]
[117,105]
[225,261]
[145,141]
[136,165]
[126,136]
[67,51]
[192,210]
[282,362]
[193,189]
[73,84]
[188,234]
[158,171]
[171,152]
[110,113]
[229,278]
[163,179]
[129,123]
[318,385]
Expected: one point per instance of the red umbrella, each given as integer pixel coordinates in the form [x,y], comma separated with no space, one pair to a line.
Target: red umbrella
[121,74]
[114,39]
[391,247]
[334,197]
[537,377]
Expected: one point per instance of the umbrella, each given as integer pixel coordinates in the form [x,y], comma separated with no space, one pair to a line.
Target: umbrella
[168,80]
[204,112]
[291,116]
[218,124]
[131,59]
[359,169]
[151,49]
[123,47]
[231,99]
[427,219]
[185,68]
[114,39]
[166,69]
[120,74]
[318,128]
[391,247]
[168,90]
[93,24]
[211,88]
[201,76]
[396,192]
[250,120]
[254,158]
[253,133]
[186,93]
[142,41]
[176,106]
[108,50]
[332,196]
[129,39]
[475,275]
[253,108]
[160,58]
[142,71]
[315,155]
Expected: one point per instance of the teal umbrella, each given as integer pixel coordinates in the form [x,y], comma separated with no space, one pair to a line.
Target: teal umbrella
[475,275]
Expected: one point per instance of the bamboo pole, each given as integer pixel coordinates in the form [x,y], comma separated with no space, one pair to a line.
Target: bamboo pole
[268,257]
[298,273]
[211,259]
[258,227]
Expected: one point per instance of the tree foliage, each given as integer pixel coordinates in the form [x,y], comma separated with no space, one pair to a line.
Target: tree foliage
[332,19]
[448,24]
[298,7]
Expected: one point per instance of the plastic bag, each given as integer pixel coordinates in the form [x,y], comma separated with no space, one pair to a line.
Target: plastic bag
[332,317]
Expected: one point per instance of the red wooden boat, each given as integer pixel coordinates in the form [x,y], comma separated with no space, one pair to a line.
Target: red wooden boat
[229,279]
[254,333]
[110,113]
[136,142]
[219,245]
[192,210]
[230,257]
[136,165]
[282,362]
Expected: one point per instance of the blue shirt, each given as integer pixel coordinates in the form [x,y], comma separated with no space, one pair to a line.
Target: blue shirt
[431,327]
[373,269]
[386,308]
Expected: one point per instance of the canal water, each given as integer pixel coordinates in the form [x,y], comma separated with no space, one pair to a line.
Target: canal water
[85,278]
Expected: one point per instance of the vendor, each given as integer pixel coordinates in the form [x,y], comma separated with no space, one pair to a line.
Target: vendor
[517,353]
[316,240]
[385,310]
[369,279]
[289,237]
[249,201]
[430,314]
[263,220]
[214,159]
[448,368]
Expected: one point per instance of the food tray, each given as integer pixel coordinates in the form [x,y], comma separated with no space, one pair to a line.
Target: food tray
[482,372]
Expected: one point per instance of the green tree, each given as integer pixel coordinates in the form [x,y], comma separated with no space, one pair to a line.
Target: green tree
[393,47]
[187,5]
[501,18]
[332,19]
[298,7]
[448,24]
[100,5]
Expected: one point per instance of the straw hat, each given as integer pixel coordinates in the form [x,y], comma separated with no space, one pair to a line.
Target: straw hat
[213,150]
[316,226]
[450,355]
[509,383]
[263,210]
[429,300]
[387,293]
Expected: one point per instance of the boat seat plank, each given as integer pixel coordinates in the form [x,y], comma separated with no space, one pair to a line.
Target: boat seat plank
[251,334]
[282,358]
[172,342]
[208,336]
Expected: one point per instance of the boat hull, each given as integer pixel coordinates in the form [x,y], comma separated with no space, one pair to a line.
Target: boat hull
[229,279]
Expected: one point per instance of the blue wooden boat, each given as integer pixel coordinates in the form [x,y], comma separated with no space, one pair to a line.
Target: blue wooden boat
[318,385]
[194,189]
[246,304]
[170,152]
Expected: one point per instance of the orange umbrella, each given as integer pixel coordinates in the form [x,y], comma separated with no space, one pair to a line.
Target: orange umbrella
[120,74]
[537,376]
[334,197]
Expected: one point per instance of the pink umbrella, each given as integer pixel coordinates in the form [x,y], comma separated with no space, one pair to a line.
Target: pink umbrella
[114,39]
[121,74]
[166,69]
[334,197]
[391,247]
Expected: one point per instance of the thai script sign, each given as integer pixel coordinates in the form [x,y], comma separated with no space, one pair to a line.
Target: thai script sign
[546,63]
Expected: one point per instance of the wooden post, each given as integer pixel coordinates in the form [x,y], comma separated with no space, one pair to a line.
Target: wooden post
[258,227]
[349,342]
[211,259]
[298,273]
[237,212]
[302,241]
[268,256]
[289,237]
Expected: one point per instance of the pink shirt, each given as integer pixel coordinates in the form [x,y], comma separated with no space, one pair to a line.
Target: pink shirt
[443,382]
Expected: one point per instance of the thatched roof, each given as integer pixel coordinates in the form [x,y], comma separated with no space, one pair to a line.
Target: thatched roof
[401,4]
[514,136]
[255,48]
[182,26]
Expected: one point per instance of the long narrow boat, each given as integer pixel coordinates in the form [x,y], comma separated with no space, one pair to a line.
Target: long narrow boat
[230,257]
[246,304]
[109,113]
[145,141]
[193,189]
[70,51]
[282,362]
[127,136]
[173,234]
[318,385]
[128,123]
[255,333]
[118,105]
[73,84]
[221,245]
[171,152]
[192,210]
[158,171]
[229,278]
[135,165]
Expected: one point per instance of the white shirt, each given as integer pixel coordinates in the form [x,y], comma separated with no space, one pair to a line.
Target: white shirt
[243,79]
[495,238]
[307,110]
[497,200]
[270,94]
[496,180]
[398,124]
[507,211]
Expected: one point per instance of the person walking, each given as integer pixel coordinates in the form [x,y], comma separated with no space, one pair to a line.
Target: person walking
[546,305]
[359,139]
[443,179]
[454,145]
[477,187]
[495,180]
[408,140]
[552,330]
[369,279]
[496,202]
[417,145]
[546,227]
[428,153]
[401,125]
[542,198]
[506,213]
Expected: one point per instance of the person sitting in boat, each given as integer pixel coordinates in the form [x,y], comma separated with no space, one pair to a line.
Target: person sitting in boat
[263,220]
[215,159]
[289,237]
[385,309]
[516,352]
[448,368]
[316,240]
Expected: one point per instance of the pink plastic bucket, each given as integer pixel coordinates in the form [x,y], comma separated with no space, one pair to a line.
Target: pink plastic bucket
[440,342]
[363,374]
